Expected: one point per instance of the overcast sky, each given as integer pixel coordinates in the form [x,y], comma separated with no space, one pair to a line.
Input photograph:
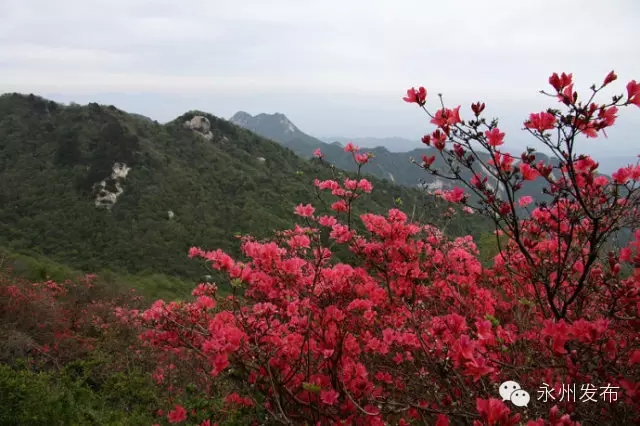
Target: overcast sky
[334,67]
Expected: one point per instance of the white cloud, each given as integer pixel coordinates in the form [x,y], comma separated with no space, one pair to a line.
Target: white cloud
[303,55]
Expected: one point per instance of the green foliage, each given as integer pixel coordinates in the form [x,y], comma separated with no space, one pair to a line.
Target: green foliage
[34,267]
[488,247]
[152,286]
[51,156]
[72,397]
[30,398]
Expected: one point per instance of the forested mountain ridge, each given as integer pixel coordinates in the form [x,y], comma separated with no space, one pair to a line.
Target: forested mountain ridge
[97,188]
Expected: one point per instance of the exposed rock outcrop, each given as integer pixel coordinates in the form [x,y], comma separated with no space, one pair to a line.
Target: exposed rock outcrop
[108,190]
[200,125]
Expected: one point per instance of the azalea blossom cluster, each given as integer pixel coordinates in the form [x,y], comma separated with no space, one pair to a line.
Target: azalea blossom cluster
[414,329]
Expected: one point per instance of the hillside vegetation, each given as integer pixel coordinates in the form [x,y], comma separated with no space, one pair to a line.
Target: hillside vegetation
[98,190]
[175,187]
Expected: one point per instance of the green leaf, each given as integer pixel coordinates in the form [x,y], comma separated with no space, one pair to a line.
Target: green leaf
[526,302]
[494,320]
[311,387]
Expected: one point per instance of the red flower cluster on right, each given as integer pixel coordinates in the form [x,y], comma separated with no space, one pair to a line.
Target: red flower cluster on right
[414,328]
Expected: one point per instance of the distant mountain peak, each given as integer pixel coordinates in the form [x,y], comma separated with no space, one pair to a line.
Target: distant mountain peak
[280,119]
[240,118]
[275,126]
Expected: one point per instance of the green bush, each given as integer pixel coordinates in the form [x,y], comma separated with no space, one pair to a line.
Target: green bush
[29,398]
[75,396]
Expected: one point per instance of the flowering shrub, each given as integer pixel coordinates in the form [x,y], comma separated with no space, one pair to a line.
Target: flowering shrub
[58,322]
[66,353]
[417,331]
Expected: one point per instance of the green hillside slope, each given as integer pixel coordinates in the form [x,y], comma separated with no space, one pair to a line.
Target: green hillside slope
[175,187]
